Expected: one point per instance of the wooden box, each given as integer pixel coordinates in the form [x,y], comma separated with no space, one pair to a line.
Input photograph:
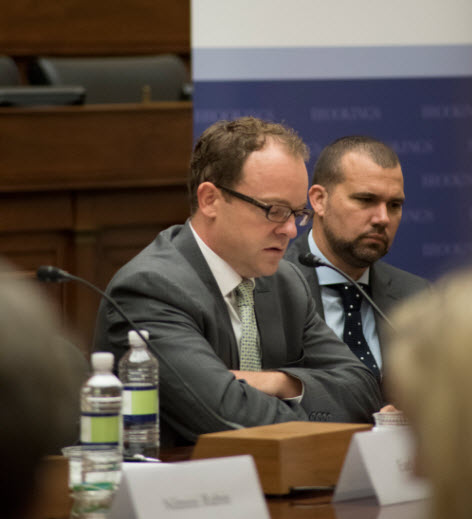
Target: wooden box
[289,455]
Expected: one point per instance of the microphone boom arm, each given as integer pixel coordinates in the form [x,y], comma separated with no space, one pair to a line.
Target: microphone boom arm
[310,260]
[54,275]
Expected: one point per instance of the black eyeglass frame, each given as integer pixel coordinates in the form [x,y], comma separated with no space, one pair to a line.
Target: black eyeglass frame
[303,215]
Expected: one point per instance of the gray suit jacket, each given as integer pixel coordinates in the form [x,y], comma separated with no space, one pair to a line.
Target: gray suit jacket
[169,290]
[388,285]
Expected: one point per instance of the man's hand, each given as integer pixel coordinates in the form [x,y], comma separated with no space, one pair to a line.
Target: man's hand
[273,383]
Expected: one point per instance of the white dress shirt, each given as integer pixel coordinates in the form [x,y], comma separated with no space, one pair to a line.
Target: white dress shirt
[333,307]
[227,280]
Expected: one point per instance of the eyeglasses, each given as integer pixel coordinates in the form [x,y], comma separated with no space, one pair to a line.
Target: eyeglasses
[274,213]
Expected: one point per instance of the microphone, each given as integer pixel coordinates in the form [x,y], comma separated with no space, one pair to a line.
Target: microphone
[310,260]
[50,274]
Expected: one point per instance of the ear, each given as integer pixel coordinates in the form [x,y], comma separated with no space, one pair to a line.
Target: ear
[208,199]
[318,198]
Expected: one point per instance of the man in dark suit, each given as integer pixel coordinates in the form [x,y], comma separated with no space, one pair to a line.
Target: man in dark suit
[226,362]
[357,195]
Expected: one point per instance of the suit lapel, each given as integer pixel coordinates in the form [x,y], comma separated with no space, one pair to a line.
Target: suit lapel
[269,323]
[226,348]
[316,291]
[384,295]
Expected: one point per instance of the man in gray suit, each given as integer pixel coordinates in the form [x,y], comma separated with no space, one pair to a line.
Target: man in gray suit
[221,367]
[357,195]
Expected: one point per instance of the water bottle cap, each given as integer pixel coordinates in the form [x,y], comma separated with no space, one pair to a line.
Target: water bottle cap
[135,340]
[102,360]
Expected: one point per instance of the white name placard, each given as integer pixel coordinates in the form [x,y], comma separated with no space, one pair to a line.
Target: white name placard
[380,463]
[202,489]
[368,508]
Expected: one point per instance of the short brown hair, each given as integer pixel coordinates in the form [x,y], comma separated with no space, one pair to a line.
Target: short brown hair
[222,149]
[328,171]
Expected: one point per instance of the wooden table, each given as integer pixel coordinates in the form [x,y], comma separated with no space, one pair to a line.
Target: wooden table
[316,504]
[53,501]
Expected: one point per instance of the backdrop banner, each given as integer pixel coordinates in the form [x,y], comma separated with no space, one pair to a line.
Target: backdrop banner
[414,95]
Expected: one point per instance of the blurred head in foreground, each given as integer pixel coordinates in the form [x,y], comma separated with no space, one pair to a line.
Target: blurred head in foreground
[40,377]
[431,381]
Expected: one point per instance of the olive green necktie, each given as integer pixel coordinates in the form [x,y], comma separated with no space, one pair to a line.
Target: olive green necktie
[250,353]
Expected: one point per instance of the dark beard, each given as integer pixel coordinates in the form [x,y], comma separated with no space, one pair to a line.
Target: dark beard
[356,253]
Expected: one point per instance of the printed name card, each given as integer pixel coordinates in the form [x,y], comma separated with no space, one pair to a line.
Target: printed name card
[201,489]
[380,463]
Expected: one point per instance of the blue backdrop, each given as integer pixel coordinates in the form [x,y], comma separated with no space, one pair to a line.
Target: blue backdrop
[427,121]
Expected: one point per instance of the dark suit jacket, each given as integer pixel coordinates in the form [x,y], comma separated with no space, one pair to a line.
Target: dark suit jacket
[388,285]
[169,290]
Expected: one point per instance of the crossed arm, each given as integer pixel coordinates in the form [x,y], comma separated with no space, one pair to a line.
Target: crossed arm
[273,383]
[281,385]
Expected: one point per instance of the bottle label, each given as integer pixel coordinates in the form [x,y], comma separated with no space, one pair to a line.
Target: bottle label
[140,401]
[104,429]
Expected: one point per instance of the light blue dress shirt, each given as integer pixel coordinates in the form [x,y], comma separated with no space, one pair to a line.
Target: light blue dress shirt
[333,308]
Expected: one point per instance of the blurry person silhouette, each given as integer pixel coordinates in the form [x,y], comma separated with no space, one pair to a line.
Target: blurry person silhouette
[41,372]
[430,359]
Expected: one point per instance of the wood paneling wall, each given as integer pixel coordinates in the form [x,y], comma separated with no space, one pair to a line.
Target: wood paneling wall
[94,27]
[85,188]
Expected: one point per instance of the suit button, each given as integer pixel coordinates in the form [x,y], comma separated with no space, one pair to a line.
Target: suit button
[320,416]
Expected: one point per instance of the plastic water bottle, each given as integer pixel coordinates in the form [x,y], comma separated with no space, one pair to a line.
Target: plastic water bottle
[138,370]
[101,439]
[100,404]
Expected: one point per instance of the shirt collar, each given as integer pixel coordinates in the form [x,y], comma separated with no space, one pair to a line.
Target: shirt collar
[327,276]
[226,277]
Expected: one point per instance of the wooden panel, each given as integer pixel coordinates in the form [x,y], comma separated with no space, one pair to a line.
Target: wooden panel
[90,27]
[118,246]
[95,146]
[29,250]
[86,188]
[118,226]
[132,207]
[141,218]
[97,260]
[111,228]
[35,211]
